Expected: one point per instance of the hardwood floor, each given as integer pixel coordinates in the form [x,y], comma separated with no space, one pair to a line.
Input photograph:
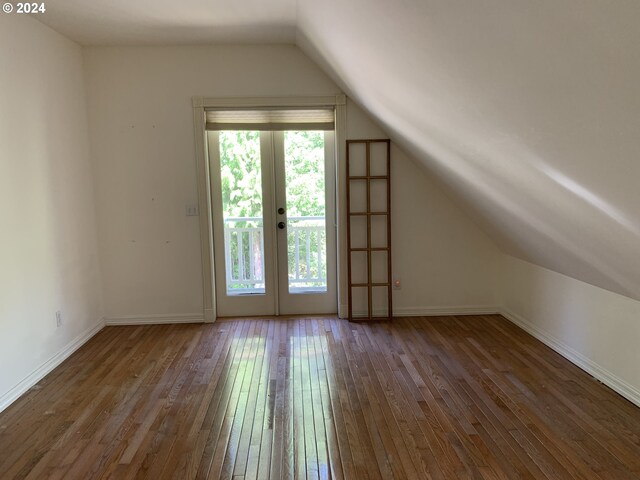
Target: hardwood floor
[443,398]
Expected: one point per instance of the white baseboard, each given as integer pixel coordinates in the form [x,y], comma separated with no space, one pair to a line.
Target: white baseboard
[443,311]
[155,319]
[209,315]
[611,380]
[432,311]
[40,372]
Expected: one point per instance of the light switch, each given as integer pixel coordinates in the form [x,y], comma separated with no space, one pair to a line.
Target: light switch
[191,210]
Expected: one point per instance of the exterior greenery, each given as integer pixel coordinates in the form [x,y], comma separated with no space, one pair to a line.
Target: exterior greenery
[240,168]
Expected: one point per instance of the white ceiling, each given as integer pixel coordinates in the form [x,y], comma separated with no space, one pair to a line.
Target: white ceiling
[172,22]
[529,112]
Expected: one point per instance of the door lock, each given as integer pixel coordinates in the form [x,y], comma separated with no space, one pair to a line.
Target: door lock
[281,225]
[281,211]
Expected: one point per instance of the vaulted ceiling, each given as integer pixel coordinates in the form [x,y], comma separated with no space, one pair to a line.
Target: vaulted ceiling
[528,112]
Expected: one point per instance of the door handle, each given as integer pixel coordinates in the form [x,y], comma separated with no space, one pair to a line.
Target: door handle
[281,211]
[281,225]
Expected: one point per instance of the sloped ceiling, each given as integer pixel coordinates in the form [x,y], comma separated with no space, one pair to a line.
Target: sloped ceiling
[527,111]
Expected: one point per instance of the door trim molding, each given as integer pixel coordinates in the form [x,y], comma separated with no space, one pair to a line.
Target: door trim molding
[199,103]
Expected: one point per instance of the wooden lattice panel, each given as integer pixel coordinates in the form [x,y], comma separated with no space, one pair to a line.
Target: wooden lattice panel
[369,229]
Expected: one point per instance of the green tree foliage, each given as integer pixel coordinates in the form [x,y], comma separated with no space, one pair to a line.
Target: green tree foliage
[240,173]
[304,166]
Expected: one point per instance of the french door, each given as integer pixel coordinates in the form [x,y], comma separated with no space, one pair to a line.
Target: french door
[274,230]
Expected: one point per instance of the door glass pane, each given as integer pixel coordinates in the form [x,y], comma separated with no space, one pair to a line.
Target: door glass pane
[306,226]
[241,178]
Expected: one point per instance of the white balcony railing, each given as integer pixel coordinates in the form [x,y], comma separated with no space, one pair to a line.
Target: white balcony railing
[244,255]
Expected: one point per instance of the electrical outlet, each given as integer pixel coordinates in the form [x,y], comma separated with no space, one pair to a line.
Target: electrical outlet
[397,285]
[58,318]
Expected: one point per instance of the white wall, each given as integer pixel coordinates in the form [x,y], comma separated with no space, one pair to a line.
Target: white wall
[597,329]
[48,246]
[143,152]
[142,136]
[444,262]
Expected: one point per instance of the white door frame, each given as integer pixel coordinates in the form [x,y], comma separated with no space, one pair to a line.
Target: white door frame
[338,102]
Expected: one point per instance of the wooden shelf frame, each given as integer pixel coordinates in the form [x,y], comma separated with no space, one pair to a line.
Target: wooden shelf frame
[369,285]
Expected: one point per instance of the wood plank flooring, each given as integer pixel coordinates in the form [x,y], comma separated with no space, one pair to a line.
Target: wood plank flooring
[443,397]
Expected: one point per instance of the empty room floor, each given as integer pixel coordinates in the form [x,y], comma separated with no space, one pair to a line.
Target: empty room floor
[318,397]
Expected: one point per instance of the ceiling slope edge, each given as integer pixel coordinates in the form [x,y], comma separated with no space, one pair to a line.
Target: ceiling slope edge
[523,171]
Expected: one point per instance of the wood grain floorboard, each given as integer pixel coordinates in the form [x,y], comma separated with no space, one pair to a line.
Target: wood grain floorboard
[470,397]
